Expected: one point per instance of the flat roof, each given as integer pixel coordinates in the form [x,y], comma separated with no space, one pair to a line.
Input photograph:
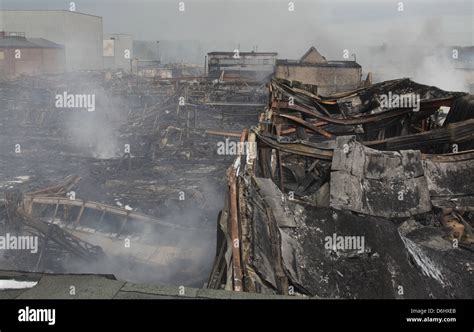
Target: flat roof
[117,34]
[342,64]
[47,10]
[244,53]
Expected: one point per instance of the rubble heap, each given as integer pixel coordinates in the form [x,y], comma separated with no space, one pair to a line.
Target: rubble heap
[142,166]
[362,194]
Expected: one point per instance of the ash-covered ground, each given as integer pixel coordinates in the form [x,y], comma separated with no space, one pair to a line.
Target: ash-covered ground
[138,150]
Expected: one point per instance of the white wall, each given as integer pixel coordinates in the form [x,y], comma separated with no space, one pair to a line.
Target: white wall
[122,42]
[81,34]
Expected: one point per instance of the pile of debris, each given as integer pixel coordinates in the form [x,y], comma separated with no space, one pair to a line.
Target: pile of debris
[363,194]
[139,165]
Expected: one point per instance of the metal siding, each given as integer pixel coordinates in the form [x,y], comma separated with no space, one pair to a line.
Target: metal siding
[80,34]
[118,61]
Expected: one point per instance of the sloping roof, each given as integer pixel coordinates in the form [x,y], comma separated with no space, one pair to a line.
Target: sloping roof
[70,12]
[44,43]
[21,42]
[312,56]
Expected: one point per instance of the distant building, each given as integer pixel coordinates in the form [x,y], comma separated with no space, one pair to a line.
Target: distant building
[80,34]
[146,50]
[328,76]
[150,68]
[241,65]
[21,55]
[117,51]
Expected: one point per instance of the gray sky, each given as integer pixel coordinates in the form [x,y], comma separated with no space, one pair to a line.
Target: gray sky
[415,39]
[330,25]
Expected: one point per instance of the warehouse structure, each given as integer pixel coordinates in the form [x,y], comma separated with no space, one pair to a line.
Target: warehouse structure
[20,55]
[118,51]
[81,34]
[241,65]
[313,68]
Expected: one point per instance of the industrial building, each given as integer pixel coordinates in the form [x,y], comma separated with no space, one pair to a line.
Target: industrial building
[81,34]
[118,51]
[313,68]
[20,55]
[241,65]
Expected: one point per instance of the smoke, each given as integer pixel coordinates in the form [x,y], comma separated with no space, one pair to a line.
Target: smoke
[163,255]
[330,25]
[94,133]
[439,71]
[417,43]
[421,55]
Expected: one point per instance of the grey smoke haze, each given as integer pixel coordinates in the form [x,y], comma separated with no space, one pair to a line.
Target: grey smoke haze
[191,255]
[413,39]
[330,25]
[414,43]
[93,132]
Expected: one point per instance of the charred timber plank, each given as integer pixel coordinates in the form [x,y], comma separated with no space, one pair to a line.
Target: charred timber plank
[223,133]
[450,157]
[234,223]
[78,220]
[234,233]
[364,119]
[306,124]
[292,129]
[236,104]
[66,240]
[38,262]
[215,277]
[103,207]
[453,133]
[252,153]
[67,184]
[102,217]
[297,148]
[55,211]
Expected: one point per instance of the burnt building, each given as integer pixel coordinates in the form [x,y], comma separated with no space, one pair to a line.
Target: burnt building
[313,68]
[21,55]
[323,171]
[241,65]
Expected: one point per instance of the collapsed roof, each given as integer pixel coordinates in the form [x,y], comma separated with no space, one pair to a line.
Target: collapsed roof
[362,194]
